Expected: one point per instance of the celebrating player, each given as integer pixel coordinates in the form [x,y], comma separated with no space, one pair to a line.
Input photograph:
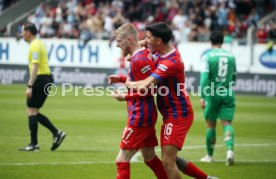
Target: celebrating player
[139,133]
[172,100]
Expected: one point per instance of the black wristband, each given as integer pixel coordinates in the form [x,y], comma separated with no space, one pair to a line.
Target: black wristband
[29,86]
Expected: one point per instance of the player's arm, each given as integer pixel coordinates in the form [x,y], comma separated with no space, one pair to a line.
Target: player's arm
[163,70]
[116,79]
[35,58]
[142,84]
[129,96]
[143,70]
[235,72]
[204,79]
[32,79]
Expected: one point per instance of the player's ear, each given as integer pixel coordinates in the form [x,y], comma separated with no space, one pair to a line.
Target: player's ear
[159,40]
[129,39]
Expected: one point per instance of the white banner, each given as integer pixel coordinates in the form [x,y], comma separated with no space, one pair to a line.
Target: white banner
[63,52]
[98,54]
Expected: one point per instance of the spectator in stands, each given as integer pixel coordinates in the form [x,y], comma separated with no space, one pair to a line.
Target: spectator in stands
[272,31]
[204,16]
[262,34]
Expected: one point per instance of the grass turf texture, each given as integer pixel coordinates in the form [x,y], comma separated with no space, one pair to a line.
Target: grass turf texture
[94,127]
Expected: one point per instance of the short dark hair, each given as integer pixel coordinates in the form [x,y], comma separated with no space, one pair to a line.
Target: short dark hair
[28,26]
[216,38]
[160,30]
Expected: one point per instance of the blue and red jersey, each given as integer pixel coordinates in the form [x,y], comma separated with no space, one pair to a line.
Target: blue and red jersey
[173,102]
[142,111]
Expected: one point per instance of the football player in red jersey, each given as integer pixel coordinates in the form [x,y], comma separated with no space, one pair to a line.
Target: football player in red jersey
[172,100]
[139,133]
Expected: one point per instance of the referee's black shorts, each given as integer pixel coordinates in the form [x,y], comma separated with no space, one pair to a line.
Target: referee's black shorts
[40,91]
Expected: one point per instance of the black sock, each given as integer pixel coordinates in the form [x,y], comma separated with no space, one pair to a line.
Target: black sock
[181,163]
[47,123]
[33,129]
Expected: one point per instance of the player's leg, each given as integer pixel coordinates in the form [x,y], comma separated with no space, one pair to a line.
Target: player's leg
[33,105]
[210,114]
[132,140]
[210,140]
[172,137]
[169,154]
[188,168]
[153,162]
[150,158]
[33,127]
[226,114]
[229,141]
[123,165]
[43,89]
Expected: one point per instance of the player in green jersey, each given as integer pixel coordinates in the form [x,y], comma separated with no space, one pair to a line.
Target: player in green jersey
[218,74]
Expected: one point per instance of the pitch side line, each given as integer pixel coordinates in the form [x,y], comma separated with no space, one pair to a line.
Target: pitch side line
[135,158]
[113,162]
[138,154]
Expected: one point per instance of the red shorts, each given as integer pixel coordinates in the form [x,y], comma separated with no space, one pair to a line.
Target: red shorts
[137,138]
[174,132]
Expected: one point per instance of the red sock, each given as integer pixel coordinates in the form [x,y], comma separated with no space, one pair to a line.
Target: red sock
[157,167]
[193,171]
[123,170]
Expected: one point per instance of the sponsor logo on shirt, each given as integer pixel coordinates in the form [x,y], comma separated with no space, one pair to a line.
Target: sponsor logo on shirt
[162,67]
[145,69]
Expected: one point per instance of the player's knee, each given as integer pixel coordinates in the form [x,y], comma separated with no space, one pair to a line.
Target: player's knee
[148,154]
[32,111]
[148,157]
[122,157]
[225,123]
[168,164]
[211,124]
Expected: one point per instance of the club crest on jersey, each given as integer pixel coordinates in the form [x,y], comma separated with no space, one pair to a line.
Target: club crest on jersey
[145,69]
[154,57]
[162,67]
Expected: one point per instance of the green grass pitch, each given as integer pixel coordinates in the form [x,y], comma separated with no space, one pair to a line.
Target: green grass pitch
[94,127]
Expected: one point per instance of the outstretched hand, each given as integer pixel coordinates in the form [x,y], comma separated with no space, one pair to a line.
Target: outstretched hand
[119,96]
[129,83]
[113,79]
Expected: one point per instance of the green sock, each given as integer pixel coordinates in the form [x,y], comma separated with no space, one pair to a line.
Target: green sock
[210,140]
[229,137]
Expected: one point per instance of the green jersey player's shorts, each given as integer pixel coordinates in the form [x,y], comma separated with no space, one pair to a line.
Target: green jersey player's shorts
[220,106]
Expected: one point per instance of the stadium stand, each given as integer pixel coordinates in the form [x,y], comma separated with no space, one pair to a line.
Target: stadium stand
[191,20]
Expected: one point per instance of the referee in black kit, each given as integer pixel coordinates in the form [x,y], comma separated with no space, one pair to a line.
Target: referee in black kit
[38,88]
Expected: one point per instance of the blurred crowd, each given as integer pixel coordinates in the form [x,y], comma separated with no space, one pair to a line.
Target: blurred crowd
[4,4]
[191,20]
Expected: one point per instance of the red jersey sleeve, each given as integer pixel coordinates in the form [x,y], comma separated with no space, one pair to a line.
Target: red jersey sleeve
[164,69]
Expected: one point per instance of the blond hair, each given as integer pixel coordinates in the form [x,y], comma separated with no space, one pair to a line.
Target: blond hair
[126,30]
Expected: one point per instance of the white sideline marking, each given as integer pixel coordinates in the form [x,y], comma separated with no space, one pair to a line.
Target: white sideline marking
[138,154]
[113,162]
[135,157]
